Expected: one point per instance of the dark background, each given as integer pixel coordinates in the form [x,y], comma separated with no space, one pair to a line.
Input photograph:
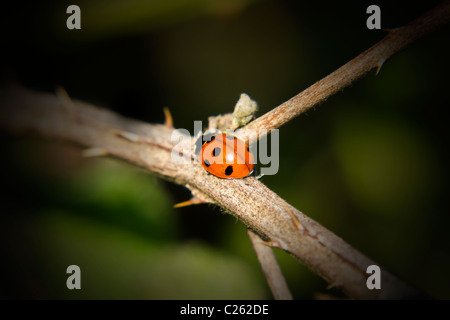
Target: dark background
[370,164]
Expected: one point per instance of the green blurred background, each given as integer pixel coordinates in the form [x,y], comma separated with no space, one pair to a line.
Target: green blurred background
[370,164]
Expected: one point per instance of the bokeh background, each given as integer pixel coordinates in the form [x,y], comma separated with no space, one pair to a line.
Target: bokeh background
[370,163]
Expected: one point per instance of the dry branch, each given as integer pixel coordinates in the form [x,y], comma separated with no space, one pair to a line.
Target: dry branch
[271,269]
[374,57]
[149,146]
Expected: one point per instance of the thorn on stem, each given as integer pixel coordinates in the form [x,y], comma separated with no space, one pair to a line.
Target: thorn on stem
[379,65]
[272,244]
[190,202]
[332,285]
[65,99]
[169,119]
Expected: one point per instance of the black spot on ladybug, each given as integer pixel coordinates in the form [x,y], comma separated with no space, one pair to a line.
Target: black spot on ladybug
[206,163]
[248,149]
[229,170]
[216,152]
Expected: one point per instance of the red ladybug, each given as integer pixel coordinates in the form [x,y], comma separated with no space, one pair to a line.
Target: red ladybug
[226,157]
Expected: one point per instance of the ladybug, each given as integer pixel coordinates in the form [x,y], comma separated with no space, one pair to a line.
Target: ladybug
[226,156]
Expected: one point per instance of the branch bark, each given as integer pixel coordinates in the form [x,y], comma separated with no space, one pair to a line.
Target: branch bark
[374,57]
[270,267]
[149,146]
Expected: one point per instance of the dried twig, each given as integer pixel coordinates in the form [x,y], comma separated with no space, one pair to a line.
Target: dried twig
[270,267]
[374,57]
[150,146]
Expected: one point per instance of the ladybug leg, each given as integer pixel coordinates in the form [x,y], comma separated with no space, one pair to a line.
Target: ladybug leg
[259,176]
[257,173]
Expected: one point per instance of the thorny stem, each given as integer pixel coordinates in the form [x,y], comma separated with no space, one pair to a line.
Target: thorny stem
[149,146]
[271,269]
[374,57]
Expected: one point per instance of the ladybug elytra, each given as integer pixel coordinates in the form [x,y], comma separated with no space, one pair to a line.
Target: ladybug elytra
[227,157]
